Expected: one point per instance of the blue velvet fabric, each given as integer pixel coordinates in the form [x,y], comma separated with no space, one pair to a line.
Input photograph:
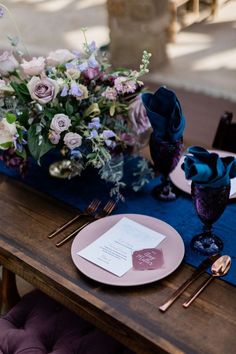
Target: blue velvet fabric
[165,114]
[180,213]
[207,168]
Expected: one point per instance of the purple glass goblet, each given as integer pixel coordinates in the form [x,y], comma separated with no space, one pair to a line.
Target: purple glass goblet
[165,156]
[210,204]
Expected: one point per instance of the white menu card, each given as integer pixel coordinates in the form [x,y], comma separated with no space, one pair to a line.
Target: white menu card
[113,250]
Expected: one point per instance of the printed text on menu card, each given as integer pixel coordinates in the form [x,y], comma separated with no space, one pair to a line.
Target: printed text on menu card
[113,250]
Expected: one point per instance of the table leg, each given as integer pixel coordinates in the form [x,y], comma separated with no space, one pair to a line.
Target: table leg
[9,295]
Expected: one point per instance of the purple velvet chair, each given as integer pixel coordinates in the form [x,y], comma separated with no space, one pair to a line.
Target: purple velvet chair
[39,325]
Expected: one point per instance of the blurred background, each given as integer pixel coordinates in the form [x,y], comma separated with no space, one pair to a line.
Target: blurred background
[193,45]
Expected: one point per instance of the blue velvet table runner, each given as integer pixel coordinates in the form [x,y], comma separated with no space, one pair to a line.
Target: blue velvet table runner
[180,213]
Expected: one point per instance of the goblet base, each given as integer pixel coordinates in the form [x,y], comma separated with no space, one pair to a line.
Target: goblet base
[206,244]
[164,192]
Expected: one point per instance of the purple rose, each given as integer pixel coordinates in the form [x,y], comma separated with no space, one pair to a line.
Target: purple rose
[43,90]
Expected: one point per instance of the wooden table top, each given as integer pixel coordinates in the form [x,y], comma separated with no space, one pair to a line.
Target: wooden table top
[130,315]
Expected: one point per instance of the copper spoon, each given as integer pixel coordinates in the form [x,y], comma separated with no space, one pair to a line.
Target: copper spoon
[218,269]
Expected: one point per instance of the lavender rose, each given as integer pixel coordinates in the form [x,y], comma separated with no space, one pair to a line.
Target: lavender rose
[8,63]
[60,56]
[34,66]
[60,123]
[72,140]
[43,90]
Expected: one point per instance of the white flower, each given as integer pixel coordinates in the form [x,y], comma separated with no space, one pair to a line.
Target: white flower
[60,56]
[8,63]
[7,132]
[60,123]
[5,88]
[72,140]
[34,66]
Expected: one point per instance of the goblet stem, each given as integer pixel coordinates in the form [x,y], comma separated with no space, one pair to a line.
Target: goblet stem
[164,190]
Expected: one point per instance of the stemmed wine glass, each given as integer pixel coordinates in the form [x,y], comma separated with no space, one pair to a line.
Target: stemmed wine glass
[210,203]
[165,156]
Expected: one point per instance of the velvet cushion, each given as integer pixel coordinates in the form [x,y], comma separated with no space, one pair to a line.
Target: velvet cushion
[39,325]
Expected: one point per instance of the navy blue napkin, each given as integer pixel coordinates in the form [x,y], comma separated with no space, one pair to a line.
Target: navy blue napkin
[165,114]
[208,169]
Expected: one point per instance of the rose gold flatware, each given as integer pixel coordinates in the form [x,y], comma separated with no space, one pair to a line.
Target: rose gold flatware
[198,271]
[218,269]
[108,208]
[89,210]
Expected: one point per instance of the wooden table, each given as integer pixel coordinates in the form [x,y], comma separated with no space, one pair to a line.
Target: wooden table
[130,315]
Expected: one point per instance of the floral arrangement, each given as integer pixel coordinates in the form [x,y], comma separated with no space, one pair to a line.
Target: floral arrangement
[74,102]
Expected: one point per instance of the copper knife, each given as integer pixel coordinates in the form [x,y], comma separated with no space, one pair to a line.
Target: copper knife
[196,274]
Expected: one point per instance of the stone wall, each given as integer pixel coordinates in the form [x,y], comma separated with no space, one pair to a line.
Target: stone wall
[136,25]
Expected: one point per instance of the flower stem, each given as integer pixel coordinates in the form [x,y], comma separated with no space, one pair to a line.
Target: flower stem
[15,25]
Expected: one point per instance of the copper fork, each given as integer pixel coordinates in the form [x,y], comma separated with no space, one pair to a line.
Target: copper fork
[89,210]
[108,208]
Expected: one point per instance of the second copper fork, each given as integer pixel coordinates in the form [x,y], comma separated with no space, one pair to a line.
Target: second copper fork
[89,210]
[108,208]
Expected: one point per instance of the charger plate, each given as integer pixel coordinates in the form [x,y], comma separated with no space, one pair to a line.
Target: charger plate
[172,247]
[179,180]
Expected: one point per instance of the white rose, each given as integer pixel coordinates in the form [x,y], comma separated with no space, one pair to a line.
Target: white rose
[8,63]
[60,56]
[60,123]
[72,140]
[7,132]
[34,66]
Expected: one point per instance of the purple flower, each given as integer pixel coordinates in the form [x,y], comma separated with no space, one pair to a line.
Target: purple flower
[64,91]
[93,134]
[92,62]
[92,47]
[83,66]
[95,123]
[75,90]
[107,134]
[1,12]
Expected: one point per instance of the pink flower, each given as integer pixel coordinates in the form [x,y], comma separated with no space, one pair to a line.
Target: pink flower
[43,90]
[34,66]
[60,56]
[54,137]
[91,73]
[72,140]
[138,116]
[125,85]
[8,63]
[110,93]
[60,123]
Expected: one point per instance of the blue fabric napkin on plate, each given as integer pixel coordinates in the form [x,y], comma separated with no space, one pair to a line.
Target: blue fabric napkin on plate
[208,169]
[165,114]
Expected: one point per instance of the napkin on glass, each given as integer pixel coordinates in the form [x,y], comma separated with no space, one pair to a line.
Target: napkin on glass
[165,114]
[208,169]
